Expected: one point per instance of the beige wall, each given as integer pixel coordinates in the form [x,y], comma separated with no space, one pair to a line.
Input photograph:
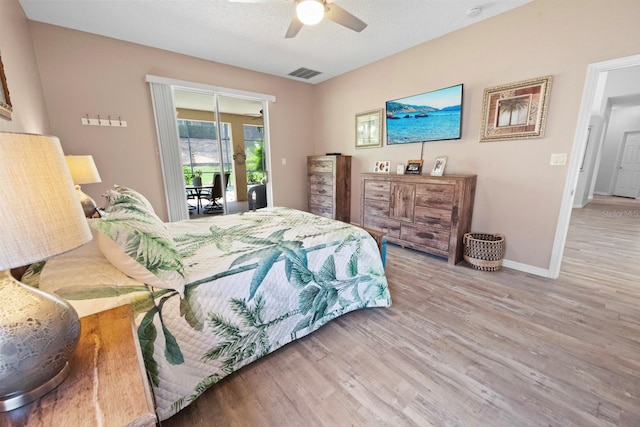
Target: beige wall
[89,74]
[21,69]
[519,193]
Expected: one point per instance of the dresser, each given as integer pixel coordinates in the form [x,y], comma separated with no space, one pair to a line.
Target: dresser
[422,212]
[330,186]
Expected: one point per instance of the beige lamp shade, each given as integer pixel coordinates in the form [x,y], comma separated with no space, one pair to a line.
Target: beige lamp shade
[83,169]
[39,211]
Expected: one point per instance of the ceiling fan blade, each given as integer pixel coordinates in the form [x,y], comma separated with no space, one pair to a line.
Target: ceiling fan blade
[344,18]
[294,27]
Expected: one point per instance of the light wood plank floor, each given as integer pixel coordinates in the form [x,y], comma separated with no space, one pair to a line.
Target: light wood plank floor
[460,347]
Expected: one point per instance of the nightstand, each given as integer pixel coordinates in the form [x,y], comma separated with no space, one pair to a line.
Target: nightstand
[107,384]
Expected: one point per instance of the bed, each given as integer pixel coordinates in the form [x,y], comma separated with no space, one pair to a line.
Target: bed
[215,294]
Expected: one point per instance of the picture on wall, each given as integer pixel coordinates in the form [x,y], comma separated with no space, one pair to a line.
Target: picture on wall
[369,129]
[5,101]
[516,110]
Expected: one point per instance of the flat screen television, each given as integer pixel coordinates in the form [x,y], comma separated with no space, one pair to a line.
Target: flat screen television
[430,116]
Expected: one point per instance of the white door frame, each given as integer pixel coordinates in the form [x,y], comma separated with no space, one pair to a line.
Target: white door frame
[577,152]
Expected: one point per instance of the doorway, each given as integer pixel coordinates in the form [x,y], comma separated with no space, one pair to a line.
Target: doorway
[594,73]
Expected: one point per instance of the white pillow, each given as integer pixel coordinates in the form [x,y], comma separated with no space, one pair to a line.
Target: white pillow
[167,279]
[137,242]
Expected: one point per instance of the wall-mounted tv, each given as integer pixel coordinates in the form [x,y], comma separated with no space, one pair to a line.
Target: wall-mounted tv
[430,116]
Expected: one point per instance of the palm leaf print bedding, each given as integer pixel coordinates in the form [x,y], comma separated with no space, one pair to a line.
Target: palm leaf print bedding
[254,282]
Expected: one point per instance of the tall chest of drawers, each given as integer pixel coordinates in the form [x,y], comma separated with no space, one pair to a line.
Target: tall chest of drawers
[330,186]
[425,213]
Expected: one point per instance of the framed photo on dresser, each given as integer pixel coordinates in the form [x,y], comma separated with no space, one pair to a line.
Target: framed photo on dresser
[438,166]
[414,167]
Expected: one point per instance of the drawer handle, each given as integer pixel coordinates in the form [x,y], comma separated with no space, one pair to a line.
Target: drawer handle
[321,191]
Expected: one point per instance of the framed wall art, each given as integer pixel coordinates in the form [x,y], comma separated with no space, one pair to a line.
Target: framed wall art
[5,101]
[369,129]
[382,166]
[516,110]
[414,167]
[438,166]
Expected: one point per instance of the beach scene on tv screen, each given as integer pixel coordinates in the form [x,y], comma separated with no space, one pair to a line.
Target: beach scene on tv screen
[431,116]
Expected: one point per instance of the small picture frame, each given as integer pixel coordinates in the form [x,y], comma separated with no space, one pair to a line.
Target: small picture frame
[369,129]
[438,166]
[414,167]
[382,166]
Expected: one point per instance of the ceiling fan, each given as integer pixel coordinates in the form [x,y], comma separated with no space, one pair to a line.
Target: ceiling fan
[310,12]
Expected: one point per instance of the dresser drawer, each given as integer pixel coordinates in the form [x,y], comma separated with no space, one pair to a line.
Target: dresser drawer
[320,200]
[375,189]
[323,190]
[320,165]
[325,211]
[435,195]
[437,239]
[392,228]
[325,179]
[434,218]
[376,207]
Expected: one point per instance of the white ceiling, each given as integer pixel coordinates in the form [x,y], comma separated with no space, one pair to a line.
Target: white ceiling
[251,35]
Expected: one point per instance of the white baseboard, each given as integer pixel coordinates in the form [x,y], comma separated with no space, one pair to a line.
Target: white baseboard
[526,268]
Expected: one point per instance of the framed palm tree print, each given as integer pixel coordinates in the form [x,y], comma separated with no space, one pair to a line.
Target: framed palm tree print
[516,110]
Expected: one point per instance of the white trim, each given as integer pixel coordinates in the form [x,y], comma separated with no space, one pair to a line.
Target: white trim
[579,146]
[184,84]
[526,268]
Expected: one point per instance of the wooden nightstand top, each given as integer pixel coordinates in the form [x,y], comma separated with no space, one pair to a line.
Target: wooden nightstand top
[107,385]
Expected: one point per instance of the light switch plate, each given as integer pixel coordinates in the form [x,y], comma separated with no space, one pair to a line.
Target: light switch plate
[558,159]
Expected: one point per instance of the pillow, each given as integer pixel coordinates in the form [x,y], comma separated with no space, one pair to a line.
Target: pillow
[137,242]
[120,194]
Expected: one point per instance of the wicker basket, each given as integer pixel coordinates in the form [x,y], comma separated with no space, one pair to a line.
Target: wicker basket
[484,251]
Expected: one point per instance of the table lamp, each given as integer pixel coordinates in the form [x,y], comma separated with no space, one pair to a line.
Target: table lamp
[83,171]
[39,217]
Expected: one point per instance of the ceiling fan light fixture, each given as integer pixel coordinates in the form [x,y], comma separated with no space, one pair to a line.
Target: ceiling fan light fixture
[310,12]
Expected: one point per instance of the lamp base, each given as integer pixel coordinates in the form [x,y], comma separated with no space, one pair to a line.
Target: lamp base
[9,403]
[38,334]
[88,204]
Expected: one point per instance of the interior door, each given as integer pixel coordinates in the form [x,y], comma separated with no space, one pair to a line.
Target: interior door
[628,179]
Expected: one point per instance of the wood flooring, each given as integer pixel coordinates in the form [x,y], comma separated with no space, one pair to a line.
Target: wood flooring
[461,347]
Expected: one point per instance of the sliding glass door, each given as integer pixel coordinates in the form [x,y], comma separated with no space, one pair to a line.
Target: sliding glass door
[208,134]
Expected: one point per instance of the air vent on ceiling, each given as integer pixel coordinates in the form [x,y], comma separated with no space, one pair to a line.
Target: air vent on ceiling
[304,73]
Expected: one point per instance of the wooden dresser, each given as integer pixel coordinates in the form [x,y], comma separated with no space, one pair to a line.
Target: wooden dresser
[330,186]
[422,212]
